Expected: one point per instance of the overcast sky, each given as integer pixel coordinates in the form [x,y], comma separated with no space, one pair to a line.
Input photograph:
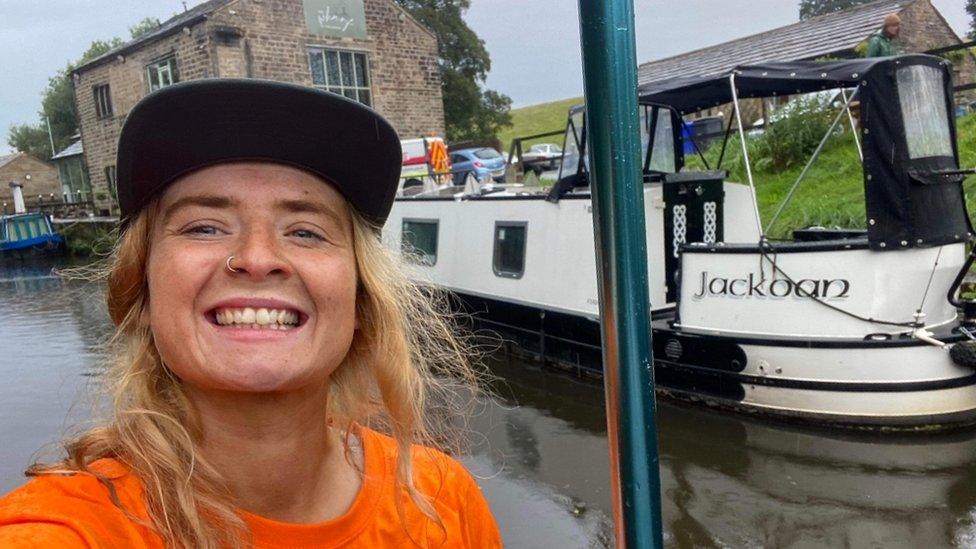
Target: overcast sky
[534,44]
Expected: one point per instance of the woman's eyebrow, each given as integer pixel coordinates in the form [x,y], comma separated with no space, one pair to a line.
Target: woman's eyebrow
[206,201]
[308,206]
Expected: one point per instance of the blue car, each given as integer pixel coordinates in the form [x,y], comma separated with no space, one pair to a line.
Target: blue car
[482,162]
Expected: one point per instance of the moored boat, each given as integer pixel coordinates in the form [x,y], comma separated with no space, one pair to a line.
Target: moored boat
[26,234]
[846,327]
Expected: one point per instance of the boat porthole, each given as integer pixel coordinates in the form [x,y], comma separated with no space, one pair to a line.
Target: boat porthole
[877,337]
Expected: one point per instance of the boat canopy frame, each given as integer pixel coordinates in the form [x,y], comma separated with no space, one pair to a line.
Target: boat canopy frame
[912,181]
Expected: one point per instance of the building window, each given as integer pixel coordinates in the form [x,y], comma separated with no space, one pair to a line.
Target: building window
[508,258]
[227,36]
[162,73]
[110,179]
[418,240]
[342,72]
[74,180]
[103,101]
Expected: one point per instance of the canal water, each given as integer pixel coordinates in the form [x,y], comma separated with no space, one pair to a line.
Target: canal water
[540,449]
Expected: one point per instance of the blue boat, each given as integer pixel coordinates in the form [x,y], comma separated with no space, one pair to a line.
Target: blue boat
[28,234]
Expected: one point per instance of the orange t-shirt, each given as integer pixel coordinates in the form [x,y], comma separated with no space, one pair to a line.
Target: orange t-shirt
[77,511]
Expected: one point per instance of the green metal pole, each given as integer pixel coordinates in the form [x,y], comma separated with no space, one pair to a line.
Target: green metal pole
[610,73]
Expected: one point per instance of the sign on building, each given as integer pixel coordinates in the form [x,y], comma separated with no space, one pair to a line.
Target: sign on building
[336,18]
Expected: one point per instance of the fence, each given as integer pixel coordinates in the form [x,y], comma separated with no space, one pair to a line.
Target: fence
[55,206]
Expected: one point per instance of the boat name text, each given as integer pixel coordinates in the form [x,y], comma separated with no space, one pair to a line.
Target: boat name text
[755,286]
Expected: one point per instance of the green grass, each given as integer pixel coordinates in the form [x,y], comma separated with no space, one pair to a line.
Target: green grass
[535,119]
[831,194]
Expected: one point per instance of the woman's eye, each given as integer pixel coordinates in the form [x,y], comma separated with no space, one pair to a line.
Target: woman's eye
[307,234]
[206,230]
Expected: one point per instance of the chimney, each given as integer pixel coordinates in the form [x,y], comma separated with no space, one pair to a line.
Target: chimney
[18,191]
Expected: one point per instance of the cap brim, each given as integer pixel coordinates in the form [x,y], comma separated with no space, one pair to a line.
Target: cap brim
[196,124]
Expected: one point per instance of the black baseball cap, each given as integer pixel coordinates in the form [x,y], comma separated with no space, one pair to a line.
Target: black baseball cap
[192,125]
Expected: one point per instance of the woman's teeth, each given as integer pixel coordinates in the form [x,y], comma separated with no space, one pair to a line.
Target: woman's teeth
[274,319]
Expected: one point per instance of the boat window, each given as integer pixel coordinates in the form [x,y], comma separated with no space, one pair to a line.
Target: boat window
[19,230]
[508,259]
[662,155]
[645,129]
[571,145]
[42,228]
[923,108]
[418,240]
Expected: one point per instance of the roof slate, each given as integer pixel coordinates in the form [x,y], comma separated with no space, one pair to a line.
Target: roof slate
[173,24]
[73,149]
[4,160]
[815,37]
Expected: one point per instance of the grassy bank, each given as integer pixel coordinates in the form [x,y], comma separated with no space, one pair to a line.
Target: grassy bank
[535,119]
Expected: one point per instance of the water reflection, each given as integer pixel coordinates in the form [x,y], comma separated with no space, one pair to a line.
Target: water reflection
[729,481]
[49,332]
[540,450]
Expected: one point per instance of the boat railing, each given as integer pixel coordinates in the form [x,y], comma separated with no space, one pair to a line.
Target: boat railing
[52,205]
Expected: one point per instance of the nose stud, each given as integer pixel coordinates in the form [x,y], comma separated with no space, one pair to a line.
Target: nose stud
[231,267]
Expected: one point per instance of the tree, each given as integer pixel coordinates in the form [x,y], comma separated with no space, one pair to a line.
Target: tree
[813,8]
[142,27]
[471,113]
[971,10]
[31,139]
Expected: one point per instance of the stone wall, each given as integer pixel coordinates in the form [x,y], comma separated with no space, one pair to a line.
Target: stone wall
[267,39]
[43,181]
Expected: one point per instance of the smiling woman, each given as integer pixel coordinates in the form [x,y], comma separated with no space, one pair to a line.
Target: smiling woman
[290,236]
[275,376]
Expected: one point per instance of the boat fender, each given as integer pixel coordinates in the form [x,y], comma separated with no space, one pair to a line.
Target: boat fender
[964,354]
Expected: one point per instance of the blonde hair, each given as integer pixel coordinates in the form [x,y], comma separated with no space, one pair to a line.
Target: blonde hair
[407,373]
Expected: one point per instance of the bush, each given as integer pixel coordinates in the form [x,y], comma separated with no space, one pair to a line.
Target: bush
[89,239]
[734,162]
[794,133]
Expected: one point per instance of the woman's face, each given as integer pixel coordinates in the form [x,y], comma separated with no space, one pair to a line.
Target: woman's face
[286,318]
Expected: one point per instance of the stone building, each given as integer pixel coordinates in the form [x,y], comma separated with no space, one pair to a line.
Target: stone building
[37,177]
[836,35]
[369,50]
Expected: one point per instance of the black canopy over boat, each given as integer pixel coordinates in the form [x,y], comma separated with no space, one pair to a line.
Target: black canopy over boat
[911,161]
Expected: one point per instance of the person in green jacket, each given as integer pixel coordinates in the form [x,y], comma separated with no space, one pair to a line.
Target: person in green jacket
[880,43]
